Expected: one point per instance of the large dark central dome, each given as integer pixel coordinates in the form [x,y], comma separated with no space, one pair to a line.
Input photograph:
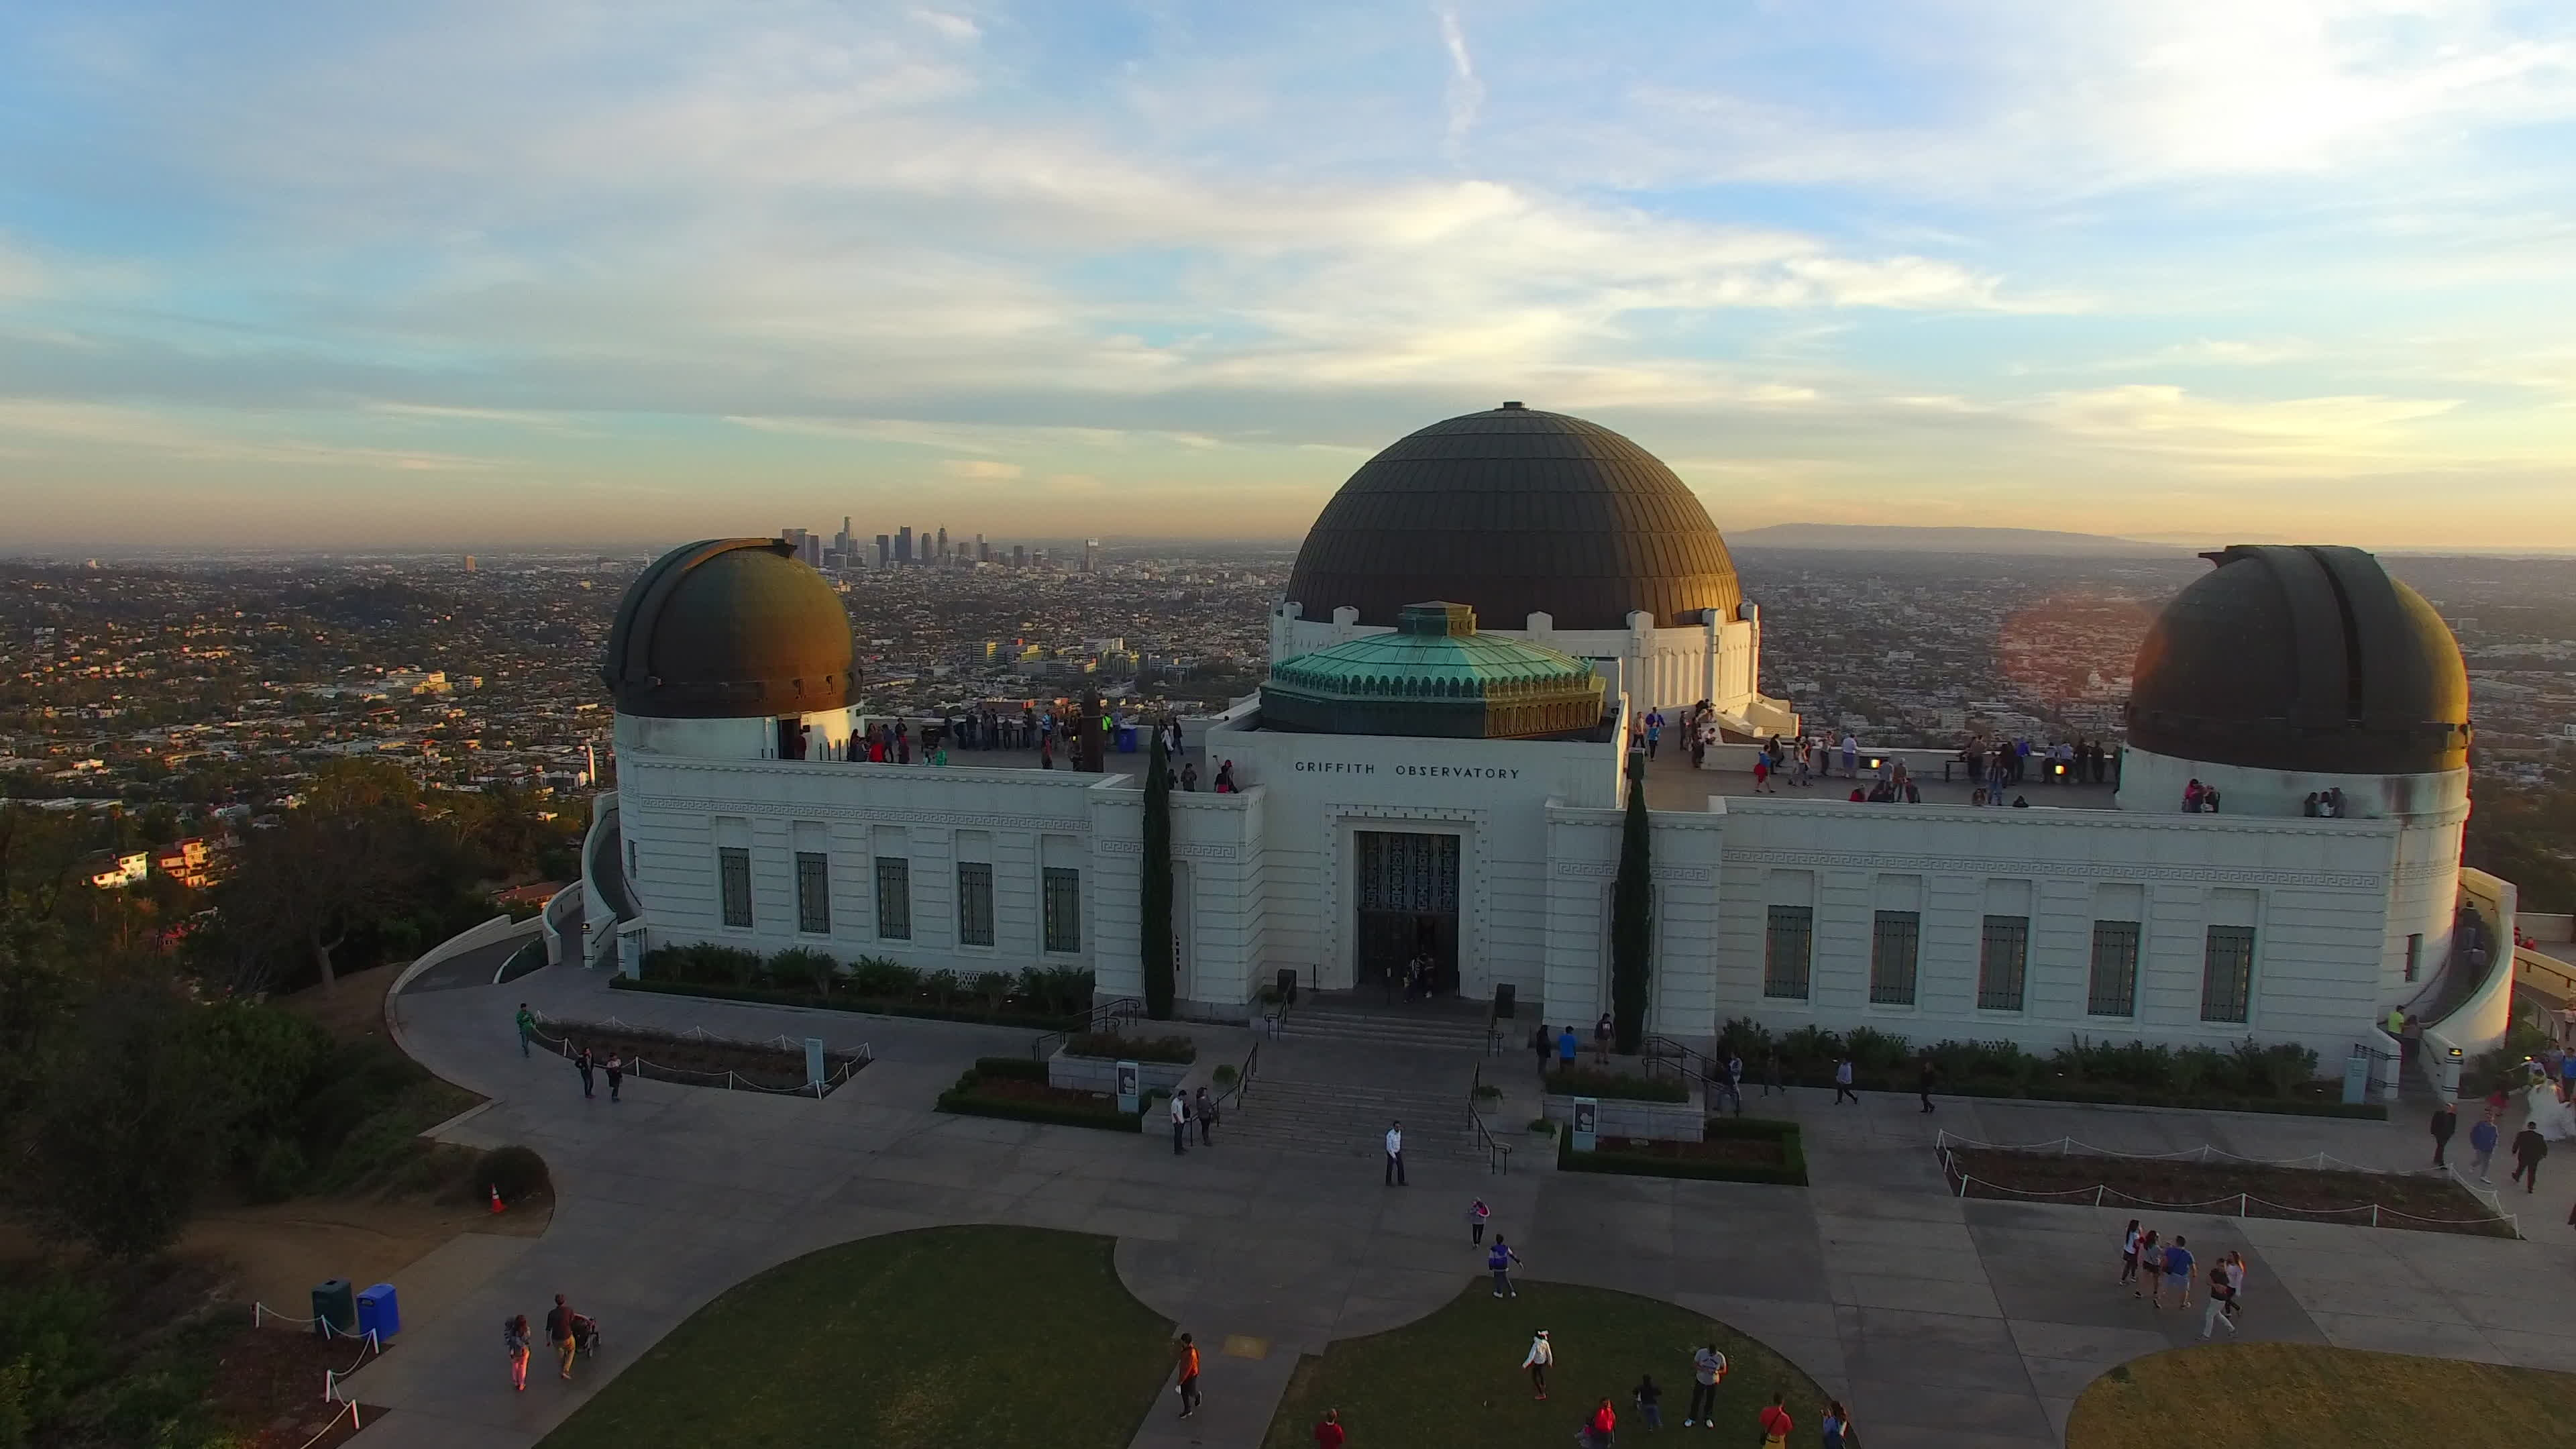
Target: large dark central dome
[1514,513]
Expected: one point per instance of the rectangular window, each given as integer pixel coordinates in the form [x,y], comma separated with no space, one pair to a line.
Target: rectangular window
[813,893]
[1893,942]
[974,903]
[2227,974]
[1063,909]
[733,878]
[2003,963]
[2115,970]
[2414,954]
[1787,946]
[894,898]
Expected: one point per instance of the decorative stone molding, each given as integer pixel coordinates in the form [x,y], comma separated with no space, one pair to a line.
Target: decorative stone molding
[1664,874]
[2126,870]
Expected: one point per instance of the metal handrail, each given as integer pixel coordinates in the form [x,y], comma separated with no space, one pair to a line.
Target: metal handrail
[1117,1010]
[1243,1082]
[1498,1155]
[1656,1049]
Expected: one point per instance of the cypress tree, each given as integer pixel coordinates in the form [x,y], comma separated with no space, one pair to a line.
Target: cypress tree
[1632,922]
[1154,904]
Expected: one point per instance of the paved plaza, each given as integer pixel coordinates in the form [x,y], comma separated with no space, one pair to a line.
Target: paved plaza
[1941,1322]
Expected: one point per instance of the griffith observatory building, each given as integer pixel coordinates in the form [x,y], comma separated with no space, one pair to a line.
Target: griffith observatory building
[1437,763]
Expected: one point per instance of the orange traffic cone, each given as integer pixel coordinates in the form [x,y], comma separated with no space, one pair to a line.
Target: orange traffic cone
[496,1197]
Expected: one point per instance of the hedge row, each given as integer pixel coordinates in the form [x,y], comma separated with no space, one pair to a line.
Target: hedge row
[1624,1086]
[774,996]
[1792,1171]
[966,1100]
[2107,1096]
[1169,1050]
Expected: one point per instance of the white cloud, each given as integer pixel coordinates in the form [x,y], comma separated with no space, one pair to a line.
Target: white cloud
[979,468]
[130,430]
[1465,95]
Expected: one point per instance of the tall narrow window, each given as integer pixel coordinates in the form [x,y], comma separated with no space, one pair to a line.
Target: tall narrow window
[974,903]
[813,893]
[1788,943]
[1063,909]
[2414,954]
[2114,990]
[2227,974]
[733,879]
[894,898]
[1893,942]
[2003,963]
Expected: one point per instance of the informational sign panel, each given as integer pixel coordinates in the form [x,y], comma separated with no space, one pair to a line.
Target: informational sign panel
[1587,1122]
[1129,1079]
[813,1061]
[2356,1076]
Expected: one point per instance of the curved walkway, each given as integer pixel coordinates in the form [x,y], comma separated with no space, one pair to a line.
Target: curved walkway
[1941,1322]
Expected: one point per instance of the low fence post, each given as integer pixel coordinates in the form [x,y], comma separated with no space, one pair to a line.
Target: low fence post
[2098,1189]
[2374,1215]
[2240,1204]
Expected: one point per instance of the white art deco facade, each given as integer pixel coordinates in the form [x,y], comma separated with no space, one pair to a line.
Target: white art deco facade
[1411,784]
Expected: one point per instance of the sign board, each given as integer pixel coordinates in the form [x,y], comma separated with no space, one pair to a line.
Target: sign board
[1587,1122]
[1128,1081]
[813,1061]
[630,954]
[2356,1076]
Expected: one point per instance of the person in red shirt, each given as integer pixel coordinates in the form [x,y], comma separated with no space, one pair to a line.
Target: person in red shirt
[1775,1421]
[1328,1434]
[1603,1428]
[1189,1386]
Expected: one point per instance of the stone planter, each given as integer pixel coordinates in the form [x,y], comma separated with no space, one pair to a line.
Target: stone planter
[1100,1074]
[1619,1117]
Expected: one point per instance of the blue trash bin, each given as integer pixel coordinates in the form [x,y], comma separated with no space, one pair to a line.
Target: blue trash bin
[1126,739]
[379,1314]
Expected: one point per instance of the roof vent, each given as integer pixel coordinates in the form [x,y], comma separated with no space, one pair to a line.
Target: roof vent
[1511,407]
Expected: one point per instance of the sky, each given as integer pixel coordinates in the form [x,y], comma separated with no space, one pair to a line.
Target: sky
[378,275]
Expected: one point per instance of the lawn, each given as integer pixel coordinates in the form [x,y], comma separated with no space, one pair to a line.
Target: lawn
[2305,1396]
[1001,1338]
[1453,1380]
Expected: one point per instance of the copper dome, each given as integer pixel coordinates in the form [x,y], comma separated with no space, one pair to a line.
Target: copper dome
[730,628]
[1514,512]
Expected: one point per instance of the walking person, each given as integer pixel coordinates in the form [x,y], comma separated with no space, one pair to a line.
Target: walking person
[1189,1384]
[1395,1155]
[1708,1367]
[1602,1429]
[2528,1148]
[2446,1120]
[1328,1434]
[616,1068]
[1180,1123]
[1477,1216]
[2482,1146]
[1775,1421]
[2237,1273]
[527,1027]
[559,1333]
[2178,1264]
[1499,1260]
[1649,1401]
[1923,1082]
[1602,1031]
[515,1343]
[1843,1082]
[2151,1259]
[1735,1080]
[581,1064]
[2129,1254]
[1541,1354]
[2222,1296]
[1771,1073]
[1540,1045]
[1837,1425]
[1204,1108]
[1566,1047]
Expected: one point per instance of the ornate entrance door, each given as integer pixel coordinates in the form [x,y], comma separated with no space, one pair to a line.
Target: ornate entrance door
[1408,905]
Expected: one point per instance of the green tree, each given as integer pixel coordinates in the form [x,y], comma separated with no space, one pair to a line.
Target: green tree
[357,856]
[126,1131]
[1632,921]
[1154,908]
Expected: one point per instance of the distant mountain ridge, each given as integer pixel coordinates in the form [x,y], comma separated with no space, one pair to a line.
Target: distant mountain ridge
[1899,538]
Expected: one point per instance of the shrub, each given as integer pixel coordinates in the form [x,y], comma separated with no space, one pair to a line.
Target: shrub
[803,966]
[1592,1082]
[877,976]
[278,1171]
[1224,1075]
[1056,990]
[1873,1050]
[702,963]
[1487,1091]
[940,987]
[1170,1049]
[964,1099]
[992,988]
[517,1172]
[1542,1126]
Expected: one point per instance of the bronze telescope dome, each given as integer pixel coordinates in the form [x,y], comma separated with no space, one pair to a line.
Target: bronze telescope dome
[730,628]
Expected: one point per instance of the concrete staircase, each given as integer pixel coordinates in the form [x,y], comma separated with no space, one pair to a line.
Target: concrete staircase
[1426,1029]
[1350,1120]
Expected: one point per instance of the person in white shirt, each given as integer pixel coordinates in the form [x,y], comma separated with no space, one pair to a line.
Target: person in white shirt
[1395,1155]
[1541,1354]
[1180,1123]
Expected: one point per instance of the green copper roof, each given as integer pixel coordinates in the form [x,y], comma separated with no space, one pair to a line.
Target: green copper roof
[1434,676]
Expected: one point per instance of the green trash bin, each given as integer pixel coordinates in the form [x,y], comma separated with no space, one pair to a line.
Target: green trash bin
[335,1309]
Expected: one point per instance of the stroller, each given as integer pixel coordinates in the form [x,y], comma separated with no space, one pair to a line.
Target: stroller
[585,1335]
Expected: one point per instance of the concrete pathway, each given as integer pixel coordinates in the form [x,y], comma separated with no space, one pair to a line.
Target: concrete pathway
[1940,1322]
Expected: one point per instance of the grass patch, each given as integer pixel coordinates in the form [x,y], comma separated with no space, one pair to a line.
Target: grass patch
[1735,1149]
[2307,1396]
[1001,1338]
[1453,1380]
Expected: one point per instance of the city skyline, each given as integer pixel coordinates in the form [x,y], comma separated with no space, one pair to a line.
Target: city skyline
[2158,271]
